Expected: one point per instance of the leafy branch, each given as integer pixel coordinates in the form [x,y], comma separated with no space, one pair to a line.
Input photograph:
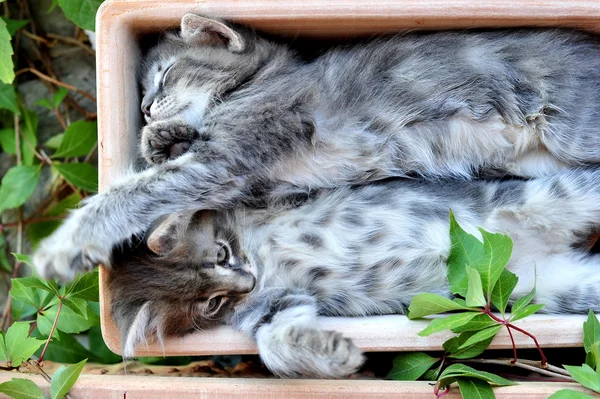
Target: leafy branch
[480,282]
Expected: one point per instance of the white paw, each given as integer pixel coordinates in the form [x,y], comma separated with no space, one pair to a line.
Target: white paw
[309,352]
[70,250]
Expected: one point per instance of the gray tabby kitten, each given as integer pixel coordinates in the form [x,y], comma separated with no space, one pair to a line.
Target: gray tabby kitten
[252,113]
[354,251]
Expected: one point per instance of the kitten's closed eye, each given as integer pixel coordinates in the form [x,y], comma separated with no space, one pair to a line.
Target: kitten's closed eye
[164,77]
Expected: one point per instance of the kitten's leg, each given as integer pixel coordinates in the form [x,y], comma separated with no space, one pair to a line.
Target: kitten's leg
[565,283]
[283,324]
[559,209]
[164,140]
[546,217]
[86,237]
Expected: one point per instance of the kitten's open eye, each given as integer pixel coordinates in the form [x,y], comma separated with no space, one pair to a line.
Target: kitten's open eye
[213,304]
[164,77]
[223,255]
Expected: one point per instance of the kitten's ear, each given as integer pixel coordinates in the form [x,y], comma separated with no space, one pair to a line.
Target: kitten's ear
[161,237]
[199,30]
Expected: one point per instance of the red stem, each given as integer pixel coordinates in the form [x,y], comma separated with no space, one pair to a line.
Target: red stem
[513,344]
[51,331]
[544,361]
[509,325]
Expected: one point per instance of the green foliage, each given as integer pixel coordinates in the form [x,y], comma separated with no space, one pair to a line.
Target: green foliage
[78,140]
[454,371]
[570,394]
[18,345]
[474,388]
[410,366]
[7,74]
[8,98]
[81,12]
[477,275]
[13,25]
[502,290]
[426,304]
[81,175]
[17,186]
[20,388]
[64,378]
[45,314]
[588,374]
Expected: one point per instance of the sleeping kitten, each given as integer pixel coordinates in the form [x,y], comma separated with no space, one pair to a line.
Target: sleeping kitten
[253,113]
[354,251]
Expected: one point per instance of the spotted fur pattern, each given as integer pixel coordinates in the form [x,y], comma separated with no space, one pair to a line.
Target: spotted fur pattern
[354,251]
[252,114]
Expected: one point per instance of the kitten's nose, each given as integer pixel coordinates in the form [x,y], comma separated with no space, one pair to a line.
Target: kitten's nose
[146,108]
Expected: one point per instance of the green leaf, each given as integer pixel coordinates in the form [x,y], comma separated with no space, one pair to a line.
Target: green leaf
[7,73]
[13,25]
[425,304]
[20,388]
[29,135]
[82,175]
[7,141]
[447,323]
[81,12]
[101,353]
[590,359]
[3,351]
[497,249]
[85,286]
[480,336]
[460,370]
[479,322]
[410,366]
[472,388]
[18,185]
[35,282]
[77,305]
[59,96]
[55,141]
[25,294]
[502,290]
[53,5]
[44,102]
[431,375]
[79,139]
[522,302]
[586,376]
[66,349]
[23,258]
[8,98]
[69,321]
[451,346]
[474,291]
[570,394]
[591,331]
[19,345]
[473,350]
[526,311]
[64,378]
[465,249]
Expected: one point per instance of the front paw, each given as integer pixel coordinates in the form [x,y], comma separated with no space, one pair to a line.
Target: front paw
[70,249]
[310,352]
[164,140]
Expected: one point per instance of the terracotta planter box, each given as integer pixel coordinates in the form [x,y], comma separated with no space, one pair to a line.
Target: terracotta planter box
[133,387]
[122,23]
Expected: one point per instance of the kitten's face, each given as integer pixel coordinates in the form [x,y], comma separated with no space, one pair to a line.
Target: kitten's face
[188,275]
[186,72]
